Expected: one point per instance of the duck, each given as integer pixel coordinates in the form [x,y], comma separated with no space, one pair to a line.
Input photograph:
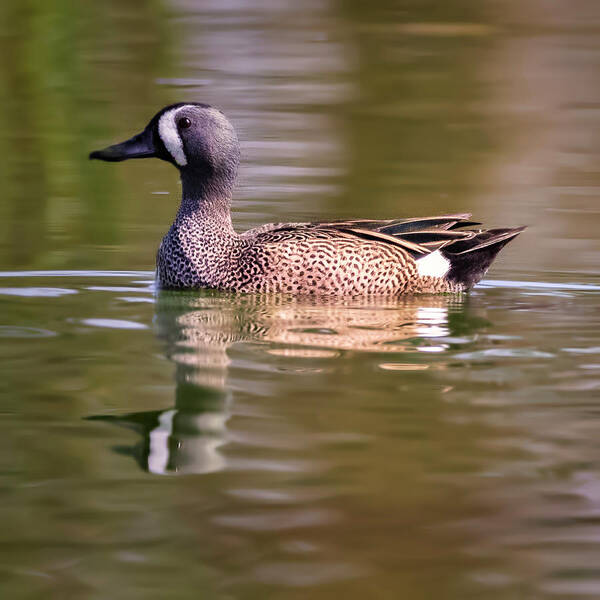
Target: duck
[363,257]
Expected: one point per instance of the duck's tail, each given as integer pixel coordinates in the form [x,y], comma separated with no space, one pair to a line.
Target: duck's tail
[470,259]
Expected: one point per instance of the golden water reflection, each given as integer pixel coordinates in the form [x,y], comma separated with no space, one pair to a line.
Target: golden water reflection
[198,331]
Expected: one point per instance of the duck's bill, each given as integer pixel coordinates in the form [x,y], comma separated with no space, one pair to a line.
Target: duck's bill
[139,146]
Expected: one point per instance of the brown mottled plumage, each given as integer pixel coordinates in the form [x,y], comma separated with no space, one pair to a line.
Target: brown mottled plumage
[363,257]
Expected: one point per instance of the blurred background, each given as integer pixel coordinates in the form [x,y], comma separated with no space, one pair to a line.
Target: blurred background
[396,108]
[207,445]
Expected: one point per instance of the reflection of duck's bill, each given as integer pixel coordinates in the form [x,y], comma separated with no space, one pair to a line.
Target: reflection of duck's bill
[175,441]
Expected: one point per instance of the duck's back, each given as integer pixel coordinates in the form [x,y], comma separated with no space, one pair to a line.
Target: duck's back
[338,258]
[325,261]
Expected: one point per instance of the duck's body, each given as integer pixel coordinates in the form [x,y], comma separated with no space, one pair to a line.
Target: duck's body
[346,258]
[202,250]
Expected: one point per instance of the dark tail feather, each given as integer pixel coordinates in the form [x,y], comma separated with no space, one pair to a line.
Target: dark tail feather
[470,259]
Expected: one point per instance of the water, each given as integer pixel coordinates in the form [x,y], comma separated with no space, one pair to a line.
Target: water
[161,444]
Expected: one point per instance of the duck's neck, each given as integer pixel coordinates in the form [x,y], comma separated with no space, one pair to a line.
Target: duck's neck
[206,201]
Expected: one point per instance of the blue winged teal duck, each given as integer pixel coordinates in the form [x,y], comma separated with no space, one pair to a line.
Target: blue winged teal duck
[362,257]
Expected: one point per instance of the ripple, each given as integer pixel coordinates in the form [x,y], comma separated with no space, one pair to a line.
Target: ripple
[439,348]
[503,353]
[445,29]
[455,340]
[278,496]
[590,350]
[570,588]
[9,331]
[272,466]
[317,330]
[305,574]
[303,353]
[36,292]
[116,288]
[136,299]
[403,367]
[114,324]
[587,385]
[528,285]
[299,547]
[142,274]
[278,520]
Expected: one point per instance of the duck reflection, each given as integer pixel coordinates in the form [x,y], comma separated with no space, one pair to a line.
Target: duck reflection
[199,328]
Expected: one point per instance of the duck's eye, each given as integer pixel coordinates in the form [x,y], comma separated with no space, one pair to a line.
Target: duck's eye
[183,123]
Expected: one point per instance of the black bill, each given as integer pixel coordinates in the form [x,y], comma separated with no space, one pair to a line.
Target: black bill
[139,146]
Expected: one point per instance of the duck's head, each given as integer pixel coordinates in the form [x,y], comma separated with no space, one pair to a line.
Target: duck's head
[194,137]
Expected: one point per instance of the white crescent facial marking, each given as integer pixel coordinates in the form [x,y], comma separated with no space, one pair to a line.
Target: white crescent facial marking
[433,265]
[167,129]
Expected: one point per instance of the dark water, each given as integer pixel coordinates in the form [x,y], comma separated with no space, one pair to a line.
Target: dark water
[208,445]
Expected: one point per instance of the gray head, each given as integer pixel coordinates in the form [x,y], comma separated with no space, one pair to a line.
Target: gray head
[196,138]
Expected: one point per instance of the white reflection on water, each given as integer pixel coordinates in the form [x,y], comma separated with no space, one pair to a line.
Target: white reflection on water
[196,450]
[36,292]
[158,451]
[113,324]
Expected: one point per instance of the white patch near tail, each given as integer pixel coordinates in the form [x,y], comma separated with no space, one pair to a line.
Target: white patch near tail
[433,265]
[167,129]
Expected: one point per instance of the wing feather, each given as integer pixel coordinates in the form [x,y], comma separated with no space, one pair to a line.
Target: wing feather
[417,236]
